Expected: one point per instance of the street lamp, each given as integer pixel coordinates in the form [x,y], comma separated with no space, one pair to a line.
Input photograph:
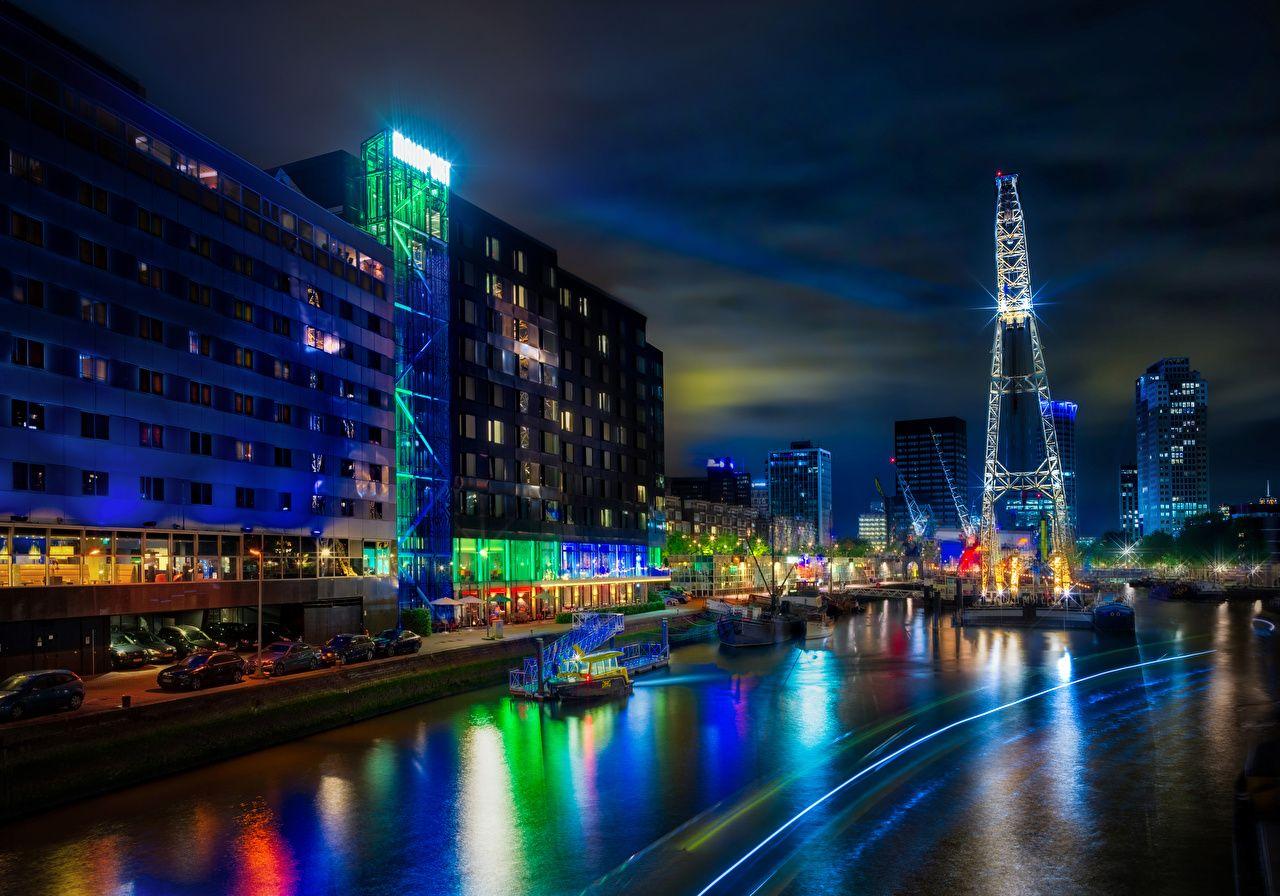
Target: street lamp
[257,666]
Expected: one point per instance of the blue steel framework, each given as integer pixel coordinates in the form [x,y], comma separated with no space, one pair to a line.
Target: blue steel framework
[406,207]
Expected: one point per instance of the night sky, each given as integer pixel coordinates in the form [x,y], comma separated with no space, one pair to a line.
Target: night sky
[800,196]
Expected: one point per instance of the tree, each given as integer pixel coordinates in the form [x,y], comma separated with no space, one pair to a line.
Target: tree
[1158,547]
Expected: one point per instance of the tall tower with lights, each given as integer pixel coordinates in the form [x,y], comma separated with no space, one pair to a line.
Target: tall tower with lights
[1022,456]
[406,206]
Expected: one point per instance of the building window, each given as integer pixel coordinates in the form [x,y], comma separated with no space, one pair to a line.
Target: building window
[282,413]
[244,357]
[201,493]
[202,443]
[518,261]
[29,230]
[93,254]
[492,248]
[313,297]
[243,404]
[28,477]
[95,426]
[150,328]
[347,507]
[316,423]
[244,451]
[375,435]
[243,311]
[375,510]
[200,393]
[496,432]
[281,370]
[93,312]
[244,497]
[92,197]
[283,457]
[493,285]
[92,368]
[286,501]
[197,343]
[150,222]
[151,488]
[199,295]
[28,353]
[26,414]
[26,168]
[150,381]
[28,292]
[93,482]
[150,275]
[150,435]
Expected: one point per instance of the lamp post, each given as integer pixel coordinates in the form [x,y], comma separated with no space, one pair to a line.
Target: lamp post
[257,666]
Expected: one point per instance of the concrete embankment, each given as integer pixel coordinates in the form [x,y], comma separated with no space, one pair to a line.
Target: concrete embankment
[67,757]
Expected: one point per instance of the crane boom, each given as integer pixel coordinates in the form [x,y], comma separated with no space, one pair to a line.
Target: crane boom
[919,522]
[962,512]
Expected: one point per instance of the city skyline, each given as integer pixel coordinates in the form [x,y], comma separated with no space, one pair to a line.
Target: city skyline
[881,315]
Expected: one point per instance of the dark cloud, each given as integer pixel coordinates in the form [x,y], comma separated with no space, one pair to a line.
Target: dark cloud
[800,195]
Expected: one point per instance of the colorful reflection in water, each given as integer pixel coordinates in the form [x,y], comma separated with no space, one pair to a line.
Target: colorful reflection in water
[1107,785]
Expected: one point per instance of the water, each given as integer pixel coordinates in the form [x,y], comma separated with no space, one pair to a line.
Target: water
[1120,783]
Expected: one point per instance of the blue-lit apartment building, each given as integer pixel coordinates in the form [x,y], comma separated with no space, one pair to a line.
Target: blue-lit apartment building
[555,408]
[800,487]
[197,365]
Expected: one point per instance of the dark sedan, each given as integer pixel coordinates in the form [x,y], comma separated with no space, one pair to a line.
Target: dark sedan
[157,650]
[347,649]
[202,670]
[32,693]
[126,653]
[394,642]
[284,657]
[187,639]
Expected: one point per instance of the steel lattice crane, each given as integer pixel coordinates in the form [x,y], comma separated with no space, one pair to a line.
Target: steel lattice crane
[1018,377]
[962,512]
[919,519]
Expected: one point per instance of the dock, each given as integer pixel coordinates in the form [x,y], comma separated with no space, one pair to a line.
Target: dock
[590,632]
[1027,615]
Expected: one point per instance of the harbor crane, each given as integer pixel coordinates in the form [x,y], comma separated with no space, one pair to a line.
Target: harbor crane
[962,512]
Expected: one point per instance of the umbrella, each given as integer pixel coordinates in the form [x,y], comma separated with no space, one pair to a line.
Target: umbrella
[445,602]
[469,600]
[502,600]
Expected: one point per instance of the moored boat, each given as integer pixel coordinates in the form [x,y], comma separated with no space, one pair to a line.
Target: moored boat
[590,676]
[761,631]
[1114,617]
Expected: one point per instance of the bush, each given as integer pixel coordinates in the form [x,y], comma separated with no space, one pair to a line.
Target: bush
[417,619]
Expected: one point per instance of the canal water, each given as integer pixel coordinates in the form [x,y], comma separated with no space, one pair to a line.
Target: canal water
[892,758]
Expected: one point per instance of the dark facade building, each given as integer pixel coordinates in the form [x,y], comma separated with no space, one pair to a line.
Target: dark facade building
[1130,516]
[724,483]
[1172,406]
[557,417]
[800,487]
[1031,508]
[198,376]
[916,456]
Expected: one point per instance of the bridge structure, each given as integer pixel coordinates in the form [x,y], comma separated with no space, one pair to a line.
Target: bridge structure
[590,631]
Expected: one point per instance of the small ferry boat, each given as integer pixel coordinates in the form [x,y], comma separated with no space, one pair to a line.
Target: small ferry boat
[590,676]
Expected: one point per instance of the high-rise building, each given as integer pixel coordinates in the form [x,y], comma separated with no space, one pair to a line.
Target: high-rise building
[1029,508]
[873,526]
[760,497]
[1130,517]
[557,404]
[198,377]
[916,448]
[1172,404]
[800,486]
[724,483]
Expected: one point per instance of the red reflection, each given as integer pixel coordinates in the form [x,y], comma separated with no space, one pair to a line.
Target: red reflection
[264,866]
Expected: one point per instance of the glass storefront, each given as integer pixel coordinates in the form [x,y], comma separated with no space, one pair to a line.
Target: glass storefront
[34,555]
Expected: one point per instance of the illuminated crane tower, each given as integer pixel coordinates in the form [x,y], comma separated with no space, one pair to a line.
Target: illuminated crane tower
[1018,397]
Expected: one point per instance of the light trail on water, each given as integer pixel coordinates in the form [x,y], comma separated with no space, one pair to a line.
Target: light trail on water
[880,763]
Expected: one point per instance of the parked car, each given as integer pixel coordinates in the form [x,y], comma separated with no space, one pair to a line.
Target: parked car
[393,642]
[284,657]
[347,649]
[157,650]
[673,596]
[30,693]
[187,639]
[125,653]
[272,632]
[202,670]
[229,633]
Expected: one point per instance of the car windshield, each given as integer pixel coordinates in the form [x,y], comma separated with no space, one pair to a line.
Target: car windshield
[194,633]
[196,660]
[120,638]
[15,682]
[388,634]
[341,641]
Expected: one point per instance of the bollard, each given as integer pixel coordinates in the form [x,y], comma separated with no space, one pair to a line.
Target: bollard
[538,642]
[126,701]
